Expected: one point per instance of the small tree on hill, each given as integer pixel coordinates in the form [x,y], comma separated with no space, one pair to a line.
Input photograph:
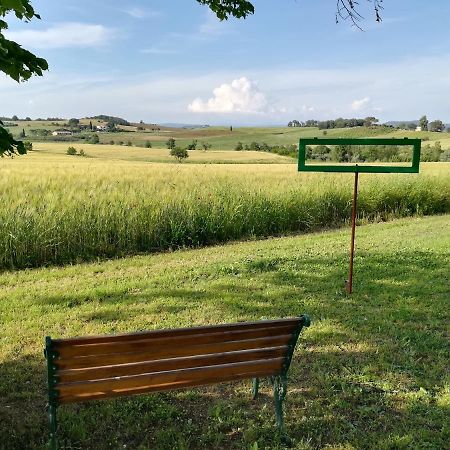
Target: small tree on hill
[148,144]
[206,146]
[370,121]
[423,123]
[171,143]
[436,125]
[192,145]
[239,147]
[179,153]
[71,151]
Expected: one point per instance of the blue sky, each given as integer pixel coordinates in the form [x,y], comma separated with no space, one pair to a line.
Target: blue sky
[173,61]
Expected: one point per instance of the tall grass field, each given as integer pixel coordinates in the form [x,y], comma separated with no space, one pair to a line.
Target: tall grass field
[60,209]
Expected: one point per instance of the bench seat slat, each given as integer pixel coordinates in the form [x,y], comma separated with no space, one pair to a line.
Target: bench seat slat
[106,348]
[96,373]
[148,389]
[170,379]
[67,342]
[152,354]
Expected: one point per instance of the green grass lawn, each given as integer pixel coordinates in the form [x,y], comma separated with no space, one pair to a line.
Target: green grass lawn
[370,372]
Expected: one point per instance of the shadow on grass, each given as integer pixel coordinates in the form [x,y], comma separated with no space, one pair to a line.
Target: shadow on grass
[369,373]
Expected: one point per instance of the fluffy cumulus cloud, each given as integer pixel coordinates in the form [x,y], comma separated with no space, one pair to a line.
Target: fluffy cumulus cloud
[64,35]
[363,103]
[240,96]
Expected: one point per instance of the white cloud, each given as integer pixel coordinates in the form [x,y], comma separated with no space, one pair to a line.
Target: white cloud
[64,35]
[140,13]
[241,95]
[159,51]
[358,105]
[404,92]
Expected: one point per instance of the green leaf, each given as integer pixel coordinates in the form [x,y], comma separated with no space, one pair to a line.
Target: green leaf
[8,145]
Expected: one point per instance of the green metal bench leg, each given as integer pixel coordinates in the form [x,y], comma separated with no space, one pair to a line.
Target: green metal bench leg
[255,388]
[279,393]
[53,427]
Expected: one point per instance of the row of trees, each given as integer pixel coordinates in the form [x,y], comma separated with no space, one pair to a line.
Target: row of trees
[374,153]
[28,119]
[171,144]
[335,123]
[435,125]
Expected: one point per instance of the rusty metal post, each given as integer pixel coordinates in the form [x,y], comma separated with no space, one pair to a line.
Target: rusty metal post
[349,283]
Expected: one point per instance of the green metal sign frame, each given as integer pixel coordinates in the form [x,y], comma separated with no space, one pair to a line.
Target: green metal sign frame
[303,167]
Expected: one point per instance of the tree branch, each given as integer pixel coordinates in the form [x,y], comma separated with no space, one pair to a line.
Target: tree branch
[347,10]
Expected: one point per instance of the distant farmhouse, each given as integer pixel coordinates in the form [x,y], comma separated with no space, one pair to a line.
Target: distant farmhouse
[62,132]
[418,128]
[102,128]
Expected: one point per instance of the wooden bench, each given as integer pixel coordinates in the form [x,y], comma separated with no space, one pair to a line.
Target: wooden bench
[93,368]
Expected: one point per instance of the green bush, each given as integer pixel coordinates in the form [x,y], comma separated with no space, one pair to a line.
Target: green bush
[179,153]
[71,151]
[94,139]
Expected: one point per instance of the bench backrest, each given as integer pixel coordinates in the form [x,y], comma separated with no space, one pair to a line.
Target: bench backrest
[88,368]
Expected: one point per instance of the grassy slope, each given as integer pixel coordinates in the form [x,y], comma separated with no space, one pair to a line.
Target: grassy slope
[371,371]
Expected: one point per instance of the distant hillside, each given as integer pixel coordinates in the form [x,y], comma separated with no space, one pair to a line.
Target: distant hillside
[113,119]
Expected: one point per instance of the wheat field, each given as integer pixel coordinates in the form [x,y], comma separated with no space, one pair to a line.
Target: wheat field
[59,209]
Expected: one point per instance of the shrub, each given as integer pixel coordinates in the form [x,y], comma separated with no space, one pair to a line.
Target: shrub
[71,151]
[111,142]
[148,144]
[239,147]
[81,153]
[94,139]
[179,153]
[192,145]
[171,143]
[206,146]
[129,144]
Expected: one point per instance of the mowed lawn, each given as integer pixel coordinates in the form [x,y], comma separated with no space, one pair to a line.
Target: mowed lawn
[370,372]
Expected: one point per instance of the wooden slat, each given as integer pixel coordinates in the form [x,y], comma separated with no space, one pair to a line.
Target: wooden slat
[168,379]
[96,373]
[60,343]
[171,387]
[106,348]
[171,352]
